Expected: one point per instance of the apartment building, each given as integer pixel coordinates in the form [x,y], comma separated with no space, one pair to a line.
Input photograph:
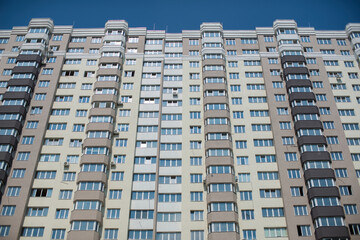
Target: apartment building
[129,133]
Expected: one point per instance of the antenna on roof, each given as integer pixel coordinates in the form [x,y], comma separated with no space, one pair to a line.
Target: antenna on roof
[166,29]
[154,26]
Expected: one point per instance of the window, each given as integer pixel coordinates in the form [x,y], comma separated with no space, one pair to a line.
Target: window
[41,192]
[7,72]
[69,176]
[32,232]
[268,175]
[65,194]
[32,124]
[250,51]
[37,211]
[238,114]
[8,210]
[117,176]
[265,158]
[355,156]
[353,141]
[195,161]
[231,52]
[230,41]
[332,140]
[342,99]
[243,160]
[288,140]
[336,86]
[300,210]
[36,110]
[61,213]
[263,142]
[67,98]
[329,125]
[285,125]
[196,196]
[47,71]
[247,214]
[249,234]
[341,172]
[349,63]
[324,111]
[23,156]
[45,174]
[345,52]
[272,212]
[53,141]
[84,99]
[235,88]
[244,177]
[233,64]
[341,42]
[253,74]
[197,215]
[241,144]
[321,97]
[27,140]
[172,197]
[239,128]
[350,209]
[311,60]
[324,41]
[282,111]
[346,112]
[270,193]
[194,101]
[354,229]
[275,232]
[257,100]
[13,191]
[57,126]
[113,213]
[197,235]
[245,195]
[140,234]
[193,53]
[234,76]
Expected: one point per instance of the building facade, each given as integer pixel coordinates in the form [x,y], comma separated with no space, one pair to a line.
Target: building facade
[129,133]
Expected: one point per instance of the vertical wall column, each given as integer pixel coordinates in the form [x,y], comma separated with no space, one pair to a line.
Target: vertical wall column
[315,159]
[353,31]
[100,132]
[220,180]
[24,76]
[17,103]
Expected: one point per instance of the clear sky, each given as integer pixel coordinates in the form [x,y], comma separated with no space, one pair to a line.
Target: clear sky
[182,14]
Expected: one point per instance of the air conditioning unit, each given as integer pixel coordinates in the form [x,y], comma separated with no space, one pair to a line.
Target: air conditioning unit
[66,164]
[113,164]
[120,103]
[338,78]
[116,132]
[175,93]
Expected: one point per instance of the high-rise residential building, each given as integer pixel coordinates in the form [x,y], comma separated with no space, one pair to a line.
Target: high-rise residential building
[129,133]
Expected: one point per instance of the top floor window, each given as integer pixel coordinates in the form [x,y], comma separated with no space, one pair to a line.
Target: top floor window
[211,34]
[154,41]
[38,30]
[286,31]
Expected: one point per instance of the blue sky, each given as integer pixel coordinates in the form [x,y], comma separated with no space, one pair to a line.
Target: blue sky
[182,14]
